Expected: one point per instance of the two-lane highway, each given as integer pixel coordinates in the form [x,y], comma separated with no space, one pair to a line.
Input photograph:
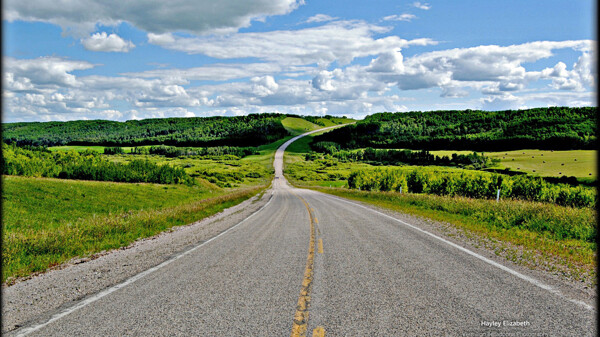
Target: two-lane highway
[314,264]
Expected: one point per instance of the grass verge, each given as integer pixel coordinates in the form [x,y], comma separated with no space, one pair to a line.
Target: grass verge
[41,231]
[512,229]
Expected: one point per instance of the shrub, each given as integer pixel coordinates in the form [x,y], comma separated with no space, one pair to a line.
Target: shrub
[87,165]
[482,185]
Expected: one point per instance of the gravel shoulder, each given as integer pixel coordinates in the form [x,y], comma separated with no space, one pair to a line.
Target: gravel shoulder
[33,299]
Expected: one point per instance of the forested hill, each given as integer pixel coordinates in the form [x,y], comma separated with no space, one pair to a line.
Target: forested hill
[541,128]
[251,130]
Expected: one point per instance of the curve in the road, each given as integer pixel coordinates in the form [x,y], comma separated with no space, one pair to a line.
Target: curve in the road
[381,276]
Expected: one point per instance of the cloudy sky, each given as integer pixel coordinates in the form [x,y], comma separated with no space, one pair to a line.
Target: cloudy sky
[120,60]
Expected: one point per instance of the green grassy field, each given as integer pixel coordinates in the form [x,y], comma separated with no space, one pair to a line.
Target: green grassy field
[544,163]
[335,121]
[29,202]
[297,126]
[99,149]
[577,163]
[222,171]
[49,221]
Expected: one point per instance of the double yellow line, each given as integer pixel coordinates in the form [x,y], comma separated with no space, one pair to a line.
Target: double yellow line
[300,326]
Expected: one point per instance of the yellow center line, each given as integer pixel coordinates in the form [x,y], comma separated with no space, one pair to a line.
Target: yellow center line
[320,246]
[300,326]
[319,332]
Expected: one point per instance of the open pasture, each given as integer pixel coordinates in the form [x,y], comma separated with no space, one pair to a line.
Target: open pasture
[544,163]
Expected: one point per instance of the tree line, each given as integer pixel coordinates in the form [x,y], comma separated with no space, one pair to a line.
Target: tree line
[556,128]
[397,157]
[86,165]
[250,130]
[174,151]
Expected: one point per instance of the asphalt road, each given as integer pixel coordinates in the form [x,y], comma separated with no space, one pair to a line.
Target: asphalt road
[314,264]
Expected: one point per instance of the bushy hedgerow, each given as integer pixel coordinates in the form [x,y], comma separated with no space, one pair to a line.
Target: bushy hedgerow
[86,165]
[396,157]
[481,185]
[173,151]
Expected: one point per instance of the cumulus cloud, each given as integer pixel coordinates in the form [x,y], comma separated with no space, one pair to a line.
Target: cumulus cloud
[293,81]
[504,102]
[340,41]
[391,61]
[401,17]
[264,86]
[490,68]
[42,72]
[454,92]
[107,43]
[81,17]
[323,81]
[581,76]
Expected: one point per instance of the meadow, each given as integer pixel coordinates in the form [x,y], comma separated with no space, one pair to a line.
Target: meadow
[50,221]
[544,163]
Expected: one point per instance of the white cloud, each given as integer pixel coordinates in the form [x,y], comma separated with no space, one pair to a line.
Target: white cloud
[423,6]
[391,61]
[582,75]
[320,18]
[490,68]
[323,81]
[42,72]
[526,100]
[454,92]
[107,43]
[264,86]
[504,102]
[401,17]
[80,17]
[290,81]
[213,72]
[340,41]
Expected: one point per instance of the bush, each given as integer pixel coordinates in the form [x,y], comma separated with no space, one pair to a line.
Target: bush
[87,165]
[113,150]
[482,185]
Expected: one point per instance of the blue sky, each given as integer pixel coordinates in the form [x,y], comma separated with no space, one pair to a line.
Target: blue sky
[120,60]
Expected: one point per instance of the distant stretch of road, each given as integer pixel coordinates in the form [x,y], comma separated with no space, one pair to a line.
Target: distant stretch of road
[312,264]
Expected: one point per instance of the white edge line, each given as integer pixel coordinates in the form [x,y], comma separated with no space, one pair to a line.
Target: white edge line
[132,279]
[483,258]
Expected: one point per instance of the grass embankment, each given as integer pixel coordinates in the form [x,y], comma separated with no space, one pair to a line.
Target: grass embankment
[528,233]
[296,126]
[50,221]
